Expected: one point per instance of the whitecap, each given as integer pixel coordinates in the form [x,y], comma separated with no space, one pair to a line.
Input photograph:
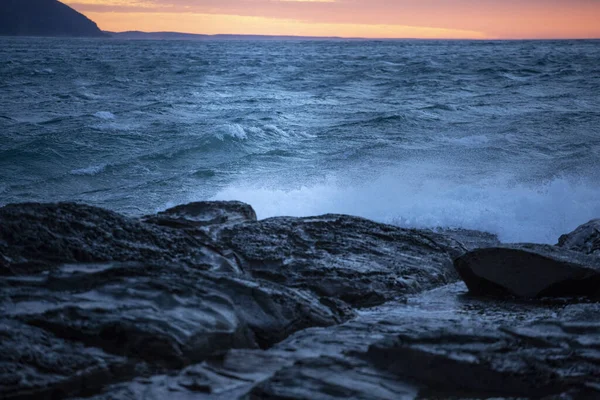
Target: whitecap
[277,131]
[235,131]
[89,171]
[106,115]
[517,212]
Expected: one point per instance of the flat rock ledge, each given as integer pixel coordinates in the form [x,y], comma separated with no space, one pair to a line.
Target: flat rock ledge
[203,301]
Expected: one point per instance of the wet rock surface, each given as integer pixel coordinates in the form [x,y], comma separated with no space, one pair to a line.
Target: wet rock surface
[36,364]
[352,259]
[166,317]
[586,238]
[471,239]
[204,302]
[442,343]
[35,237]
[546,356]
[530,270]
[204,216]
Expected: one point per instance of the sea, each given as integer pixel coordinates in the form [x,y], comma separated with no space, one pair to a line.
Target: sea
[500,136]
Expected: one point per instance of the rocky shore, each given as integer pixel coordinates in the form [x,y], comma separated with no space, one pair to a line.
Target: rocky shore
[203,301]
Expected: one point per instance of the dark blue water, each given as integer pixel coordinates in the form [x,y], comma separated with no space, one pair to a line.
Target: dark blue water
[500,136]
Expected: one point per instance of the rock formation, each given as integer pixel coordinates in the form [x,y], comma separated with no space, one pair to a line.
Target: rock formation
[44,18]
[203,301]
[530,270]
[352,259]
[585,238]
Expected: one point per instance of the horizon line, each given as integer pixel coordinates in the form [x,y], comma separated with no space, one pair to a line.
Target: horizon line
[250,35]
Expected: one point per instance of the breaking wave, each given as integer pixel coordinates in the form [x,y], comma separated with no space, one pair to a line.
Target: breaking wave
[516,212]
[496,136]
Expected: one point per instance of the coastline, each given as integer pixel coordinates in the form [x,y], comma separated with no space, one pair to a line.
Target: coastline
[205,300]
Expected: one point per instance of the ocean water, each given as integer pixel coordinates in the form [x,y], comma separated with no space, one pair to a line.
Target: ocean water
[496,136]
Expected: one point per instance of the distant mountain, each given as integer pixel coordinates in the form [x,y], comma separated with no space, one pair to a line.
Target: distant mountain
[138,35]
[44,18]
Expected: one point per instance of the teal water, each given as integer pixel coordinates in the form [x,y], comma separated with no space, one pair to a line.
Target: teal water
[497,136]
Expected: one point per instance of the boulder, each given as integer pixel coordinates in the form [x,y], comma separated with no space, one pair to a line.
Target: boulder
[206,216]
[585,238]
[530,270]
[336,256]
[35,237]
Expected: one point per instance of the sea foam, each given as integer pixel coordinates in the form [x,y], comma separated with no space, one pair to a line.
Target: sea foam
[107,115]
[516,212]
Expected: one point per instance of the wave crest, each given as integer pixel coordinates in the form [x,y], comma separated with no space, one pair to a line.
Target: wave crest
[516,212]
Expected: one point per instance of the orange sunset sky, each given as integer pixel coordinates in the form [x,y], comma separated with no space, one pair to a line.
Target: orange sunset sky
[456,19]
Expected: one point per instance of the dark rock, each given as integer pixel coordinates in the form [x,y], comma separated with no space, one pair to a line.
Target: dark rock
[331,378]
[531,360]
[190,304]
[227,378]
[160,316]
[44,18]
[471,239]
[524,349]
[206,216]
[356,260]
[36,237]
[585,238]
[530,270]
[36,364]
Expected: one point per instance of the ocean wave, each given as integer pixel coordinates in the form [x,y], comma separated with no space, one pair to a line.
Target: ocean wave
[441,107]
[233,131]
[469,141]
[106,115]
[255,121]
[256,133]
[56,120]
[89,171]
[378,120]
[44,71]
[517,212]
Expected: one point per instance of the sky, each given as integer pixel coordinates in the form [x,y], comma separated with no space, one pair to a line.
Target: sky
[452,19]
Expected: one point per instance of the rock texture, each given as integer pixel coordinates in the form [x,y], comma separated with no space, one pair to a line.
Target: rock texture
[44,18]
[142,314]
[204,302]
[204,216]
[530,270]
[527,360]
[436,345]
[38,237]
[471,239]
[356,260]
[35,364]
[182,315]
[585,238]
